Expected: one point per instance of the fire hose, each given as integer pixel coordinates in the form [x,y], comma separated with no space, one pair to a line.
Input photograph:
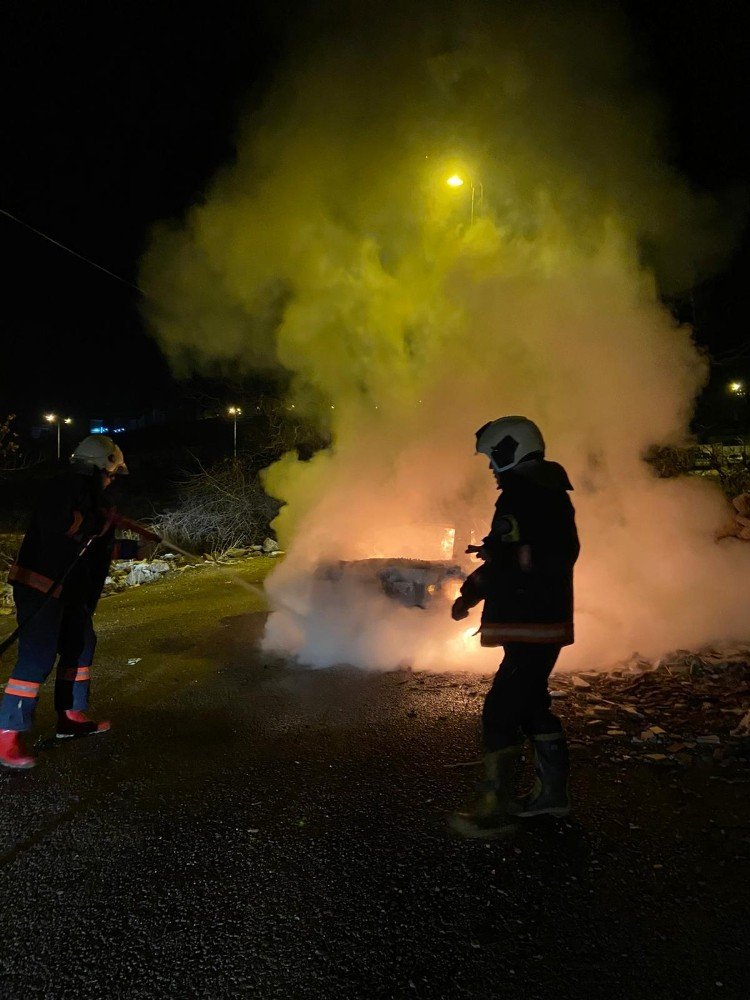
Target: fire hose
[276,605]
[113,519]
[120,521]
[51,593]
[140,529]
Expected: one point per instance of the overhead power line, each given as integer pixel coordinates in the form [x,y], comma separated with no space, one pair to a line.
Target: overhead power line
[74,253]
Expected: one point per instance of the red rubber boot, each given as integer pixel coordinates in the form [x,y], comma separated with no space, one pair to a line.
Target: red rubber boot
[73,723]
[12,753]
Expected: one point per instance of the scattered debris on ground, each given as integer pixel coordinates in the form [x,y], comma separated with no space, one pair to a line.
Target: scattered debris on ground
[684,709]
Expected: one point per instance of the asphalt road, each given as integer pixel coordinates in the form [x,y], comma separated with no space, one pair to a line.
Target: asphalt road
[249,829]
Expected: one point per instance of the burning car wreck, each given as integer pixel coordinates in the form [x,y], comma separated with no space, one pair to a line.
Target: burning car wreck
[414,583]
[382,610]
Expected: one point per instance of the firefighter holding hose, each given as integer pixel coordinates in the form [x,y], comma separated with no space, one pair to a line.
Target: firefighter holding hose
[526,583]
[57,581]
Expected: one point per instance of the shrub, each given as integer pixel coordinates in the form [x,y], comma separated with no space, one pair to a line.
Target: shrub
[223,507]
[8,442]
[707,459]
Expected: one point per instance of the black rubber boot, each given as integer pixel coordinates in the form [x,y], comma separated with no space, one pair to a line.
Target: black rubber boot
[71,724]
[491,817]
[550,795]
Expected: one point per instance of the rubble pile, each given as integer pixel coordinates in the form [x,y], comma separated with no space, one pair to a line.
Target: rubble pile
[128,573]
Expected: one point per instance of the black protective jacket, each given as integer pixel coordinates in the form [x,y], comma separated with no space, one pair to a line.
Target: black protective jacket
[526,581]
[72,509]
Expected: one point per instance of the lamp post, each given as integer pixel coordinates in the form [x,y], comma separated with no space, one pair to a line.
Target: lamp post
[53,418]
[457,181]
[737,391]
[234,412]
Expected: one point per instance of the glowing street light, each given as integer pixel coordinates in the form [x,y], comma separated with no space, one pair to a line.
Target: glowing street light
[737,389]
[53,418]
[457,181]
[234,412]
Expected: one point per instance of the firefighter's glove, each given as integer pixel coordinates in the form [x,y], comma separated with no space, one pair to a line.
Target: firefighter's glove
[479,551]
[460,609]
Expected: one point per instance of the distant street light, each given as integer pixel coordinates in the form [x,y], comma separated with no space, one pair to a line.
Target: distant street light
[456,181]
[737,389]
[234,412]
[53,418]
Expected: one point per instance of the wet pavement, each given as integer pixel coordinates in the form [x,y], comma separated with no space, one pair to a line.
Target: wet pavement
[253,830]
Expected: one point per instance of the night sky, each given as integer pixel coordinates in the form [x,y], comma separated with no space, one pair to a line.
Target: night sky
[118,115]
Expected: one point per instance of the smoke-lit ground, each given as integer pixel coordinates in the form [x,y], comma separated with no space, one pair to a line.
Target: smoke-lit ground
[249,829]
[410,312]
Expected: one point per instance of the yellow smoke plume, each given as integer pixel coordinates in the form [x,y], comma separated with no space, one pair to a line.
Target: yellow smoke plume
[410,311]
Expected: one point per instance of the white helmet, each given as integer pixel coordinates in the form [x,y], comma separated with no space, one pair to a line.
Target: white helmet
[100,452]
[508,440]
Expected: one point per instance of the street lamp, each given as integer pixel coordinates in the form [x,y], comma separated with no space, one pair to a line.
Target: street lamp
[234,412]
[53,418]
[736,390]
[457,181]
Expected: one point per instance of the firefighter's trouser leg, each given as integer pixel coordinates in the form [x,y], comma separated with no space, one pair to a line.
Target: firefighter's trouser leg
[77,644]
[37,651]
[518,700]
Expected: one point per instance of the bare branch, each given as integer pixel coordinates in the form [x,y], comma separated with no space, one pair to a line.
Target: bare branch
[220,508]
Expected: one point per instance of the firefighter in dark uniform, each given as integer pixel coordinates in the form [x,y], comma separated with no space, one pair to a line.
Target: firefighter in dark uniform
[56,618]
[526,583]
